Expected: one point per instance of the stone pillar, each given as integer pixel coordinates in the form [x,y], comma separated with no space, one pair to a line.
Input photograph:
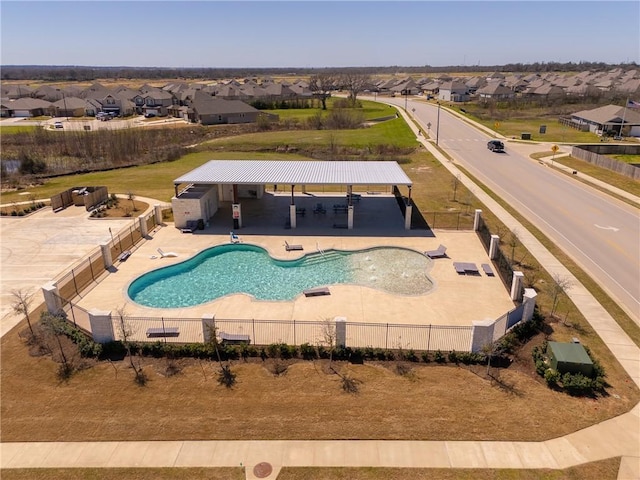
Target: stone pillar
[143,226]
[105,248]
[157,211]
[482,334]
[52,297]
[516,285]
[101,326]
[476,220]
[493,247]
[341,332]
[350,217]
[407,217]
[208,327]
[292,215]
[529,301]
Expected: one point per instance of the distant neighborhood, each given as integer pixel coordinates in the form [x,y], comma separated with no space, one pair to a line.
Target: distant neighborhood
[235,101]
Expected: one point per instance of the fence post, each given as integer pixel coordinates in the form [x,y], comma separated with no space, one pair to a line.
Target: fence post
[93,277]
[73,275]
[341,332]
[429,339]
[516,286]
[105,248]
[476,220]
[143,226]
[208,327]
[294,331]
[101,326]
[157,211]
[52,297]
[481,334]
[493,247]
[529,301]
[386,339]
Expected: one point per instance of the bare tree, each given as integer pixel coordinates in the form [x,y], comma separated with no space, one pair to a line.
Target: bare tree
[454,184]
[556,288]
[328,332]
[321,85]
[131,196]
[54,325]
[21,303]
[355,83]
[126,334]
[513,241]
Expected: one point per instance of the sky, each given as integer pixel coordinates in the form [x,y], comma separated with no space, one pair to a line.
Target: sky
[306,34]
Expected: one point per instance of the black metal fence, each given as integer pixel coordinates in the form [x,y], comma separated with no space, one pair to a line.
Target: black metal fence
[297,332]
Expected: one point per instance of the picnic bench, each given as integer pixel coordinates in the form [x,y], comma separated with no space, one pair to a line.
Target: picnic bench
[156,332]
[316,292]
[340,208]
[234,338]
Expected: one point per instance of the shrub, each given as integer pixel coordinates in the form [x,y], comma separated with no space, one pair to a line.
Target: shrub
[308,351]
[426,358]
[551,376]
[439,357]
[226,377]
[453,357]
[411,356]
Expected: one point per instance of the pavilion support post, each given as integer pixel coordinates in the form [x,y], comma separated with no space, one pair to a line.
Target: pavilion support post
[292,215]
[349,195]
[350,217]
[407,217]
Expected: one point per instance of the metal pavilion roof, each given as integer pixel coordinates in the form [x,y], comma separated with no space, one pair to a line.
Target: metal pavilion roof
[256,172]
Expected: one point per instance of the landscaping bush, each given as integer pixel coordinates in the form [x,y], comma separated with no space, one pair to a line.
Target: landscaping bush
[308,351]
[439,357]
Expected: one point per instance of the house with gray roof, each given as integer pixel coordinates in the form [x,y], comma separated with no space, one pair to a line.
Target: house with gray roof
[453,92]
[69,107]
[27,107]
[610,119]
[494,91]
[209,110]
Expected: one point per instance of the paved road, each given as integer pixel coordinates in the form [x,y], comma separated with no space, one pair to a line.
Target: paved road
[599,232]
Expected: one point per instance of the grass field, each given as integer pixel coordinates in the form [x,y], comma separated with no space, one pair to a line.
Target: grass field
[603,470]
[431,402]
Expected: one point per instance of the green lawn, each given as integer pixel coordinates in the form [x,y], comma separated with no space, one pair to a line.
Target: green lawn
[12,129]
[626,158]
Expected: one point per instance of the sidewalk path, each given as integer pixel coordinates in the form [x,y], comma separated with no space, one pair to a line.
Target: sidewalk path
[619,436]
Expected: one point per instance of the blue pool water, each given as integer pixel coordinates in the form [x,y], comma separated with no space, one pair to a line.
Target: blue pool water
[243,268]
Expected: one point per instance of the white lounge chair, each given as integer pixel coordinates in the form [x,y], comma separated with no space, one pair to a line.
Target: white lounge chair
[166,254]
[233,238]
[290,247]
[441,251]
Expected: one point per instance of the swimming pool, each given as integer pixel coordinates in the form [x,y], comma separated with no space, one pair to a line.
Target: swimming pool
[243,268]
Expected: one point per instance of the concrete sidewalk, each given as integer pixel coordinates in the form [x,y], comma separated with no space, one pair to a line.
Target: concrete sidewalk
[611,438]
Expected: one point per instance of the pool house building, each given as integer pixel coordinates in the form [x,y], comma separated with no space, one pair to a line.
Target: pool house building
[202,193]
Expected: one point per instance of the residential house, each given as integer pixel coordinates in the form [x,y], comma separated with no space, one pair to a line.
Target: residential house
[453,91]
[154,102]
[475,83]
[27,107]
[610,119]
[209,110]
[69,107]
[494,91]
[15,91]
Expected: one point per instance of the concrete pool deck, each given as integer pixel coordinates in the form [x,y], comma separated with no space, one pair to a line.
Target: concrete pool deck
[455,300]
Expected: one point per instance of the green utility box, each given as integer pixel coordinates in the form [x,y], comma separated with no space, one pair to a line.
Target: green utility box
[569,357]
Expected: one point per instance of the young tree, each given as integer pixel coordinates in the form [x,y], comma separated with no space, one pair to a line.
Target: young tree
[556,288]
[131,196]
[513,241]
[454,184]
[126,334]
[321,86]
[21,303]
[53,326]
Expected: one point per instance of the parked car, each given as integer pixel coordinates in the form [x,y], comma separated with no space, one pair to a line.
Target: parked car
[495,146]
[149,115]
[58,125]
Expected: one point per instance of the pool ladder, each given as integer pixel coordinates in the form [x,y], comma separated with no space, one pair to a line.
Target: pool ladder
[319,249]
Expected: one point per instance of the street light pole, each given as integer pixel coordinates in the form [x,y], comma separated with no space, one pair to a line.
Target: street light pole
[438,125]
[406,96]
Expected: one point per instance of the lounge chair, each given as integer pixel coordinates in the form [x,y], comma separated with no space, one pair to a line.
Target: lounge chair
[233,238]
[440,252]
[166,254]
[292,247]
[487,269]
[316,292]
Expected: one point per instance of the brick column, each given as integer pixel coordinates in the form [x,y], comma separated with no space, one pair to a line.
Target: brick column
[493,247]
[101,326]
[52,297]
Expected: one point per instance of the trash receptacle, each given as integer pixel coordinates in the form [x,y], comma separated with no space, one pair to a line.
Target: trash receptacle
[525,136]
